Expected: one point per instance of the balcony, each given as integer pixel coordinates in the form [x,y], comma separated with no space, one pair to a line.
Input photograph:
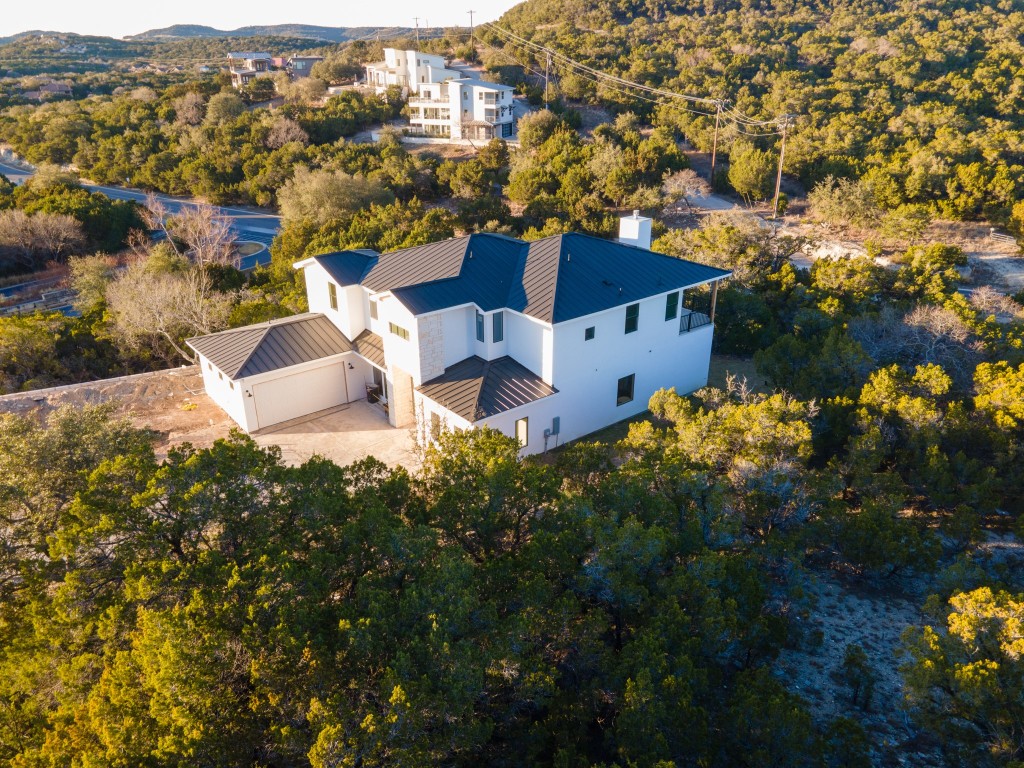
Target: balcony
[691,321]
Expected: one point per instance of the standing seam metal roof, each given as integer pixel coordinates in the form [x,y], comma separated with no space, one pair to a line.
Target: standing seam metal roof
[554,279]
[476,389]
[255,349]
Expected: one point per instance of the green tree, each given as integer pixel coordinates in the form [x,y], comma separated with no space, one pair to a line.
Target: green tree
[964,680]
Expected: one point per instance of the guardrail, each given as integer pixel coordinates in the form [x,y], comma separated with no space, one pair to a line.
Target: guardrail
[999,237]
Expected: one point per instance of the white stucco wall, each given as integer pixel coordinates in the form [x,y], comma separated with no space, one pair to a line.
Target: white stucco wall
[457,326]
[227,394]
[527,340]
[586,373]
[398,352]
[539,414]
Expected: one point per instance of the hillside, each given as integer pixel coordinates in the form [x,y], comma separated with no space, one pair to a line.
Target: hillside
[923,99]
[305,31]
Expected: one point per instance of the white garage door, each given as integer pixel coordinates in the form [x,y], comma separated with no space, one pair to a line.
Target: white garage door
[299,394]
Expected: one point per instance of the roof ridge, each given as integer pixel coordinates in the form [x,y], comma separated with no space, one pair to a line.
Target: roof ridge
[245,362]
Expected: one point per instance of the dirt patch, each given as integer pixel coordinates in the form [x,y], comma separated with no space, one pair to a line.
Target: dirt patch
[850,614]
[723,366]
[172,403]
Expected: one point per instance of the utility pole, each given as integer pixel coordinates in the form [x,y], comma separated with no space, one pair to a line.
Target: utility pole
[547,74]
[417,20]
[714,146]
[471,27]
[785,120]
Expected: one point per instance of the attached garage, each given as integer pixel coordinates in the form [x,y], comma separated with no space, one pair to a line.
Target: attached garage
[272,372]
[297,394]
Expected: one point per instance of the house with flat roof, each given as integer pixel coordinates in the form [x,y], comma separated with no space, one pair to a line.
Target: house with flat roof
[546,341]
[406,70]
[247,66]
[464,108]
[300,66]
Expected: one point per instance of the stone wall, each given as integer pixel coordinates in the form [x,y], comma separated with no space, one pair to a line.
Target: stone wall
[431,338]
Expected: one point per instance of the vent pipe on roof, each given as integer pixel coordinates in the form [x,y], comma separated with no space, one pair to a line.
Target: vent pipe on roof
[635,230]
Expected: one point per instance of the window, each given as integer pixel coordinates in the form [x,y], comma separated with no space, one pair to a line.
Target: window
[373,309]
[399,331]
[220,375]
[625,393]
[523,431]
[498,327]
[632,317]
[479,326]
[231,384]
[332,291]
[588,334]
[672,305]
[435,425]
[480,96]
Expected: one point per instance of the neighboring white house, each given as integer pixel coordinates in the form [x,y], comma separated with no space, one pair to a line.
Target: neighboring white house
[462,109]
[245,67]
[547,341]
[406,69]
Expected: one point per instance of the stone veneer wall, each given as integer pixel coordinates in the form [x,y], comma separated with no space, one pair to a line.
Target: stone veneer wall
[431,338]
[401,408]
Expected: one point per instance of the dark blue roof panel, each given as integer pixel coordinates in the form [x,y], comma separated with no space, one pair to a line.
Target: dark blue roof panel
[555,279]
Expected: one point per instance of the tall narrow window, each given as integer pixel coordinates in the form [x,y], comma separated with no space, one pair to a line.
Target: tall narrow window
[479,326]
[373,309]
[588,333]
[332,292]
[523,431]
[498,327]
[672,305]
[632,317]
[625,393]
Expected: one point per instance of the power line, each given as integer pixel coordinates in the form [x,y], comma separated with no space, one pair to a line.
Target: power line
[731,114]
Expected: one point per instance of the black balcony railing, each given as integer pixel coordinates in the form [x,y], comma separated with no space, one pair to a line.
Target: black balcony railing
[690,321]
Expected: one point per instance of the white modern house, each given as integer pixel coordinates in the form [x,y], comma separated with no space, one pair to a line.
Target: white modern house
[406,69]
[547,341]
[462,109]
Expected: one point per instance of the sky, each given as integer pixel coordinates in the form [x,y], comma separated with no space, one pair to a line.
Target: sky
[117,18]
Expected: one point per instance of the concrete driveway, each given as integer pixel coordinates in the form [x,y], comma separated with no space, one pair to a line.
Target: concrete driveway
[344,434]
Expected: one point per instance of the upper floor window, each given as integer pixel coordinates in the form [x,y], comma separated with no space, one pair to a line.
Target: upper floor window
[672,305]
[399,331]
[498,327]
[480,96]
[332,292]
[588,334]
[632,317]
[479,326]
[373,309]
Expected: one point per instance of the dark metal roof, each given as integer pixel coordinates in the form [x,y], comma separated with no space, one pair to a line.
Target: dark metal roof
[347,267]
[277,344]
[370,346]
[476,389]
[554,279]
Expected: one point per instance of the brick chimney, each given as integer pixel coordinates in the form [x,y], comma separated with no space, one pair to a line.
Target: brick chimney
[635,230]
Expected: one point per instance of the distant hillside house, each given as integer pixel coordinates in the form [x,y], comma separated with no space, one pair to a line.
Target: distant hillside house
[299,66]
[546,341]
[462,109]
[246,67]
[407,69]
[49,91]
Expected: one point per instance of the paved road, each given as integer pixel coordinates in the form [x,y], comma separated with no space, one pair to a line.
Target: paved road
[248,224]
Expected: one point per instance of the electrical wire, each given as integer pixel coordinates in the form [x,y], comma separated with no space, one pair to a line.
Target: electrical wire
[730,114]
